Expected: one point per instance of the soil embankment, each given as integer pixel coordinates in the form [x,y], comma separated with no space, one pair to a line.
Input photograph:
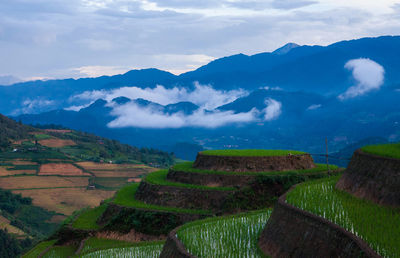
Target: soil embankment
[372,177]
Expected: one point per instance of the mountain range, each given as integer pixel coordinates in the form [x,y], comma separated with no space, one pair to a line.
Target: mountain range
[293,97]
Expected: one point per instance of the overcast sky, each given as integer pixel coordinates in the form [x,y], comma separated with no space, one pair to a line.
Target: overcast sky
[86,38]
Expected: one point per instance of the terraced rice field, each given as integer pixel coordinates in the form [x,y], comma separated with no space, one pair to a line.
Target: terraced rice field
[232,236]
[106,166]
[252,152]
[141,250]
[377,225]
[386,150]
[188,167]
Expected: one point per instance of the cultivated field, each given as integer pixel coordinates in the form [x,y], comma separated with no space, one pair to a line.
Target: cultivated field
[66,201]
[63,169]
[32,182]
[106,166]
[5,172]
[57,131]
[56,143]
[113,173]
[20,162]
[5,225]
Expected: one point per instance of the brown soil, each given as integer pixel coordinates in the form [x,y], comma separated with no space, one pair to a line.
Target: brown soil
[372,177]
[29,182]
[117,173]
[20,162]
[132,236]
[66,201]
[136,180]
[56,143]
[253,164]
[106,166]
[57,131]
[63,169]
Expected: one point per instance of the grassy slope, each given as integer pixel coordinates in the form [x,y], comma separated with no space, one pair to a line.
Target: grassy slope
[95,244]
[386,150]
[38,249]
[87,219]
[188,167]
[377,225]
[126,197]
[228,236]
[251,153]
[159,178]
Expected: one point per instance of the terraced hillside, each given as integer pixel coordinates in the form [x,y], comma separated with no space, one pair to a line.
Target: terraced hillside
[342,221]
[166,199]
[48,174]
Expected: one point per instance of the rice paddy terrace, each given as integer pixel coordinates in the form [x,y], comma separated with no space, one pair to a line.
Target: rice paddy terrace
[166,199]
[353,215]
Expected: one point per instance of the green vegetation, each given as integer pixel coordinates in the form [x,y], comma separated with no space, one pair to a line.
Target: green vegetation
[232,236]
[188,167]
[145,249]
[386,150]
[251,153]
[110,183]
[42,136]
[60,252]
[126,197]
[10,246]
[38,249]
[87,219]
[379,226]
[11,131]
[160,178]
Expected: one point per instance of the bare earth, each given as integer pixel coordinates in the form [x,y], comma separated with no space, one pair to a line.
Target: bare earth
[56,143]
[29,182]
[63,169]
[66,201]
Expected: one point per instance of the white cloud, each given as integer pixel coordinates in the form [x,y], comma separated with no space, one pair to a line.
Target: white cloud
[99,70]
[131,115]
[202,95]
[30,106]
[368,74]
[314,106]
[273,109]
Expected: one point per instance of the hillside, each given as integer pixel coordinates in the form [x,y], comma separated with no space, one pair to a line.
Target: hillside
[48,173]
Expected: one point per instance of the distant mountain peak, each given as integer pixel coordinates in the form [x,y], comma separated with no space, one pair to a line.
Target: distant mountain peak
[285,49]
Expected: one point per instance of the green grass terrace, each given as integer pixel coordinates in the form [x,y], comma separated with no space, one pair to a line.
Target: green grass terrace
[126,197]
[188,167]
[228,236]
[160,178]
[377,225]
[251,153]
[385,150]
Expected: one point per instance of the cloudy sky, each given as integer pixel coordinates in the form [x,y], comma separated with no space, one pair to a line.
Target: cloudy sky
[82,38]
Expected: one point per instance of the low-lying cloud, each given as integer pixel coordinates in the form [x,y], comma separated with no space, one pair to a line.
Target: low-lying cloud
[273,109]
[368,74]
[131,115]
[204,96]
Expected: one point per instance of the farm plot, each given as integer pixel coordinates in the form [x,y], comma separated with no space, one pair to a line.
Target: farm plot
[37,182]
[116,173]
[66,201]
[379,226]
[62,169]
[110,183]
[106,166]
[140,250]
[5,225]
[232,236]
[56,143]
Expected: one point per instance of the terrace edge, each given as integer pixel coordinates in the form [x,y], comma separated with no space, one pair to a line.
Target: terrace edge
[173,247]
[292,232]
[372,177]
[253,163]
